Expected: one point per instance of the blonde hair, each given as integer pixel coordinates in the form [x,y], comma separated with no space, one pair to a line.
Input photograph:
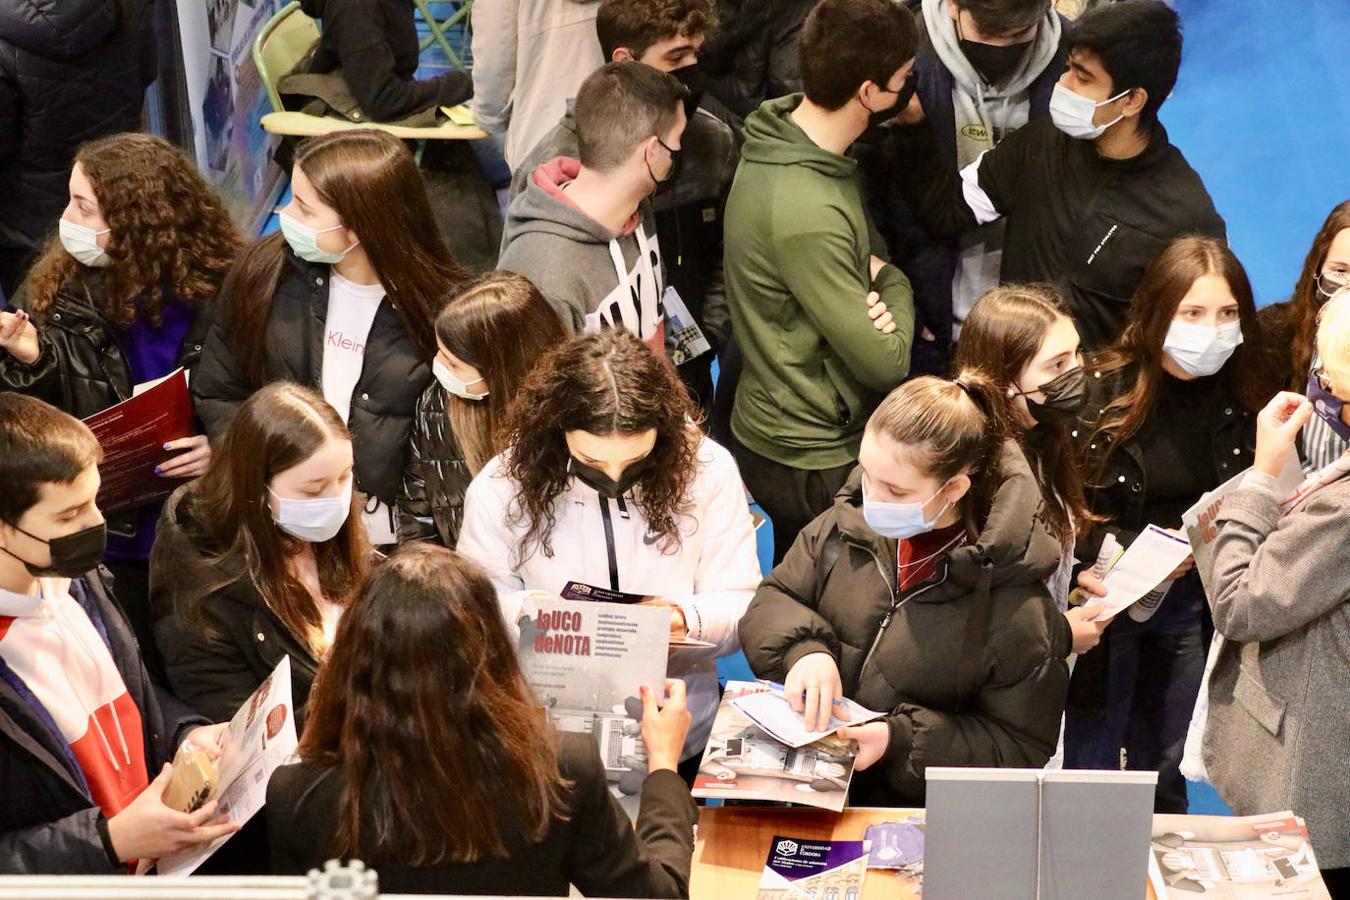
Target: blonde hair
[1333,340]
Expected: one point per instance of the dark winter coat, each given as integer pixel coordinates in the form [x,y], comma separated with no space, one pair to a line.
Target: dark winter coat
[71,71]
[431,504]
[49,824]
[393,377]
[969,666]
[216,665]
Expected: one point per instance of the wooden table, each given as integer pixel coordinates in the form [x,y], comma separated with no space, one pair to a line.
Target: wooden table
[733,843]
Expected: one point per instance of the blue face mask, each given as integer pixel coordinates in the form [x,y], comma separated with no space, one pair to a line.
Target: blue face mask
[1328,406]
[1202,350]
[305,241]
[899,521]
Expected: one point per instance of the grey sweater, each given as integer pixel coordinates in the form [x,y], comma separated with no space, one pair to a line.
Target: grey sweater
[1279,720]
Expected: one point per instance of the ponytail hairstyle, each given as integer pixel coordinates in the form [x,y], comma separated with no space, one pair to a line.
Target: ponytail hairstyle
[949,428]
[1000,337]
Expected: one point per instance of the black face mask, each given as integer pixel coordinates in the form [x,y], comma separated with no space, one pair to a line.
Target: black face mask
[1065,396]
[993,63]
[876,120]
[603,484]
[696,83]
[73,555]
[663,184]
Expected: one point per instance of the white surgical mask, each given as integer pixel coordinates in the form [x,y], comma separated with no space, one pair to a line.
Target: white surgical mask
[899,520]
[451,382]
[1072,113]
[81,242]
[1202,349]
[305,241]
[314,521]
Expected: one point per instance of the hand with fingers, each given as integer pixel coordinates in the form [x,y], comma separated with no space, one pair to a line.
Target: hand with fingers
[1086,627]
[189,464]
[881,317]
[665,725]
[18,337]
[1277,428]
[147,829]
[813,688]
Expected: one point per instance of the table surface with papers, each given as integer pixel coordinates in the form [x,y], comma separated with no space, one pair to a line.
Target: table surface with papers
[733,843]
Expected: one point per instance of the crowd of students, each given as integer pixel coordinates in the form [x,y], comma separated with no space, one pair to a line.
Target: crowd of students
[972,314]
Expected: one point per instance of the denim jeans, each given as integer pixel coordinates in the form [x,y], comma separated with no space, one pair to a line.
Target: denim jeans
[1153,677]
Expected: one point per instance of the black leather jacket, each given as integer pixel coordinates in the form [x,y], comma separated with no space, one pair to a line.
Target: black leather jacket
[431,504]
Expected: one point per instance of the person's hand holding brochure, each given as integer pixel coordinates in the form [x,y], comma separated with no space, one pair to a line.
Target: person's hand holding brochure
[1151,559]
[771,712]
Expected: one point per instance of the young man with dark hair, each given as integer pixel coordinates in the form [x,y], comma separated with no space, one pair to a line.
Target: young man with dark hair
[582,229]
[85,733]
[984,69]
[1094,192]
[667,35]
[806,276]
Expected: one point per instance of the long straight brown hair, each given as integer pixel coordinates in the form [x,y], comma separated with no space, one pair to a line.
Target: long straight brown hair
[277,428]
[1306,302]
[422,705]
[371,180]
[500,325]
[1000,337]
[1165,283]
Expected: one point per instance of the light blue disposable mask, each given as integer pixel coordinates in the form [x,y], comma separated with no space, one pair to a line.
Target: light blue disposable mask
[1202,350]
[899,520]
[305,241]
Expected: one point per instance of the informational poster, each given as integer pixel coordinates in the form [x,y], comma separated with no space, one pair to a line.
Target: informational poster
[227,100]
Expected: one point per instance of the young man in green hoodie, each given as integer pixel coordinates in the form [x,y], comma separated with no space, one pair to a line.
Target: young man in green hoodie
[806,274]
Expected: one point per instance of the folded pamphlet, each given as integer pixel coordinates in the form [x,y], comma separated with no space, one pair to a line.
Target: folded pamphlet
[1228,858]
[1153,556]
[771,712]
[806,869]
[133,434]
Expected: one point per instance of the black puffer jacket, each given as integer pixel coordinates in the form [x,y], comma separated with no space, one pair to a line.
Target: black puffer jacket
[49,824]
[70,71]
[753,57]
[969,665]
[431,504]
[392,378]
[216,672]
[81,368]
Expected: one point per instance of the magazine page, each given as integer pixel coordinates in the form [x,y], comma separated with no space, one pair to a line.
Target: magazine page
[808,869]
[261,738]
[743,762]
[577,590]
[587,663]
[1230,858]
[769,710]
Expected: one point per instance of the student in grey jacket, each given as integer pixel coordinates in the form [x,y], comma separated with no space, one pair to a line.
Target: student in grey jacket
[1278,735]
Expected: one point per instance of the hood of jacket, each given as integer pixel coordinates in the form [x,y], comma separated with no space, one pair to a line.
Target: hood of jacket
[58,29]
[773,138]
[943,36]
[1013,547]
[178,554]
[543,208]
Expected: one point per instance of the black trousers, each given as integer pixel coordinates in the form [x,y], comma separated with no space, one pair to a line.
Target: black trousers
[790,497]
[1338,883]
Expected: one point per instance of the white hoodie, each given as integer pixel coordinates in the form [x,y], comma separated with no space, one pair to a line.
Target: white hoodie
[711,577]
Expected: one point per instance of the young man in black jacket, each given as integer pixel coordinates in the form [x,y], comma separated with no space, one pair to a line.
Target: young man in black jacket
[83,731]
[668,36]
[1093,193]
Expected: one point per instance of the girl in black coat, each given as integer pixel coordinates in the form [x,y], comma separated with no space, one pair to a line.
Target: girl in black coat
[487,340]
[426,757]
[1170,415]
[342,301]
[117,300]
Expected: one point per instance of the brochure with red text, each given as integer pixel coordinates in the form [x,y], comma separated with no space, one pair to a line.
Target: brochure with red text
[133,434]
[577,590]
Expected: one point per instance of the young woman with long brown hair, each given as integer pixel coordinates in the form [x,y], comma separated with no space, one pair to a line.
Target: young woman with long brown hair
[607,480]
[428,757]
[343,300]
[116,300]
[922,593]
[1022,338]
[257,559]
[1290,329]
[488,338]
[1171,414]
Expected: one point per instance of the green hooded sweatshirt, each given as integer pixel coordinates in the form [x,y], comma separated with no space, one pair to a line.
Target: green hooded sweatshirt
[797,264]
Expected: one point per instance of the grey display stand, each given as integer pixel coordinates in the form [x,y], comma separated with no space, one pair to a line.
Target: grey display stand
[1028,834]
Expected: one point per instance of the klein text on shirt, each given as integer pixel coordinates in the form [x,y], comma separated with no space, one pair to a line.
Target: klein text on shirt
[342,342]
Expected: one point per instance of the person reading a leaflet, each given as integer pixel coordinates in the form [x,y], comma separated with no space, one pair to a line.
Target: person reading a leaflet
[1171,414]
[607,481]
[922,593]
[87,735]
[427,758]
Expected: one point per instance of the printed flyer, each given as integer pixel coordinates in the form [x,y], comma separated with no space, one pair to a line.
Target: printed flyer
[1229,858]
[799,869]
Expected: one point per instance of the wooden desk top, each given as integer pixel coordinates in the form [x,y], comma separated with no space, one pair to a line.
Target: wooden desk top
[733,843]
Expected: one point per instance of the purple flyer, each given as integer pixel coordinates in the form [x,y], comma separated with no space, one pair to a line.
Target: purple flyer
[801,868]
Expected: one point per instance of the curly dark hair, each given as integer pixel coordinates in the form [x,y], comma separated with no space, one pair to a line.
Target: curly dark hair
[608,384]
[169,231]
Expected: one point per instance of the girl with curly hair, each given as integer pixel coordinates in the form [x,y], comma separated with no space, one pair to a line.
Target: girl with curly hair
[115,300]
[607,481]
